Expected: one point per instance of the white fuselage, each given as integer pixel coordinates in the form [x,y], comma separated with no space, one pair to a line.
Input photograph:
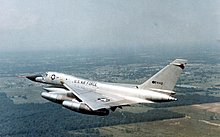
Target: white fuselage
[98,98]
[131,93]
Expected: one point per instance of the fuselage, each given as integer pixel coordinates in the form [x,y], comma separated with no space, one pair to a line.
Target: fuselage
[134,93]
[98,98]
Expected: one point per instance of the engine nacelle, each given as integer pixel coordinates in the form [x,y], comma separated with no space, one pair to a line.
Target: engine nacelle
[61,91]
[56,89]
[83,108]
[57,98]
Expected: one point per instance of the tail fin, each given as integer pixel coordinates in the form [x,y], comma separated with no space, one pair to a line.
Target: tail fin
[166,78]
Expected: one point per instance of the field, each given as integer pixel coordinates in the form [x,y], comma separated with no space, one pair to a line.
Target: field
[196,123]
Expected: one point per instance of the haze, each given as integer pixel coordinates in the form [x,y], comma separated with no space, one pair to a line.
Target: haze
[54,24]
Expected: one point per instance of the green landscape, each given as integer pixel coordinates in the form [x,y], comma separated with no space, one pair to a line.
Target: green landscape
[25,113]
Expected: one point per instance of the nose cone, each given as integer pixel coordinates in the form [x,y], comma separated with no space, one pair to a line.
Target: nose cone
[33,78]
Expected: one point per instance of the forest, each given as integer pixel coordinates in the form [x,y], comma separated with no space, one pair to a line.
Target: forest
[49,119]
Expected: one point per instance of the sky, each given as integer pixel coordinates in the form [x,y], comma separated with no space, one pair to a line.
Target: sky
[60,24]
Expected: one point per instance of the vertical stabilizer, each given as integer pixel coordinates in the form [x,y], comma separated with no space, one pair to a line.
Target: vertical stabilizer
[166,78]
